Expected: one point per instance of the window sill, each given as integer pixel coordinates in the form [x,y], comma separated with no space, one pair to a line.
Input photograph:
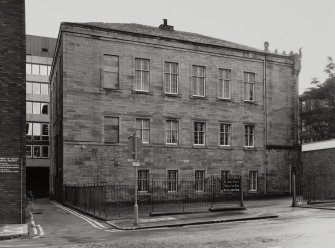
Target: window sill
[225,147]
[249,148]
[199,97]
[111,90]
[171,95]
[141,92]
[199,146]
[172,145]
[223,99]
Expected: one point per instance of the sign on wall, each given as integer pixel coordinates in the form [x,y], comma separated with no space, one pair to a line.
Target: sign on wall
[9,165]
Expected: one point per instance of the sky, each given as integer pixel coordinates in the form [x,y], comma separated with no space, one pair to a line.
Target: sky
[286,24]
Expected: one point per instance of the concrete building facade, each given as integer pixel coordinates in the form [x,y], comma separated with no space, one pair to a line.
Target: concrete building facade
[12,112]
[39,54]
[201,107]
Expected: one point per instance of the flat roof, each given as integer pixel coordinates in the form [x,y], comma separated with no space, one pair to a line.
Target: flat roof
[320,145]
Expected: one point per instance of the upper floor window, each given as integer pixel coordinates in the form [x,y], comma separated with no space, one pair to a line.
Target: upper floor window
[37,108]
[142,74]
[38,69]
[249,86]
[249,135]
[171,77]
[199,133]
[198,80]
[224,84]
[171,132]
[110,72]
[37,88]
[225,134]
[111,129]
[37,131]
[143,129]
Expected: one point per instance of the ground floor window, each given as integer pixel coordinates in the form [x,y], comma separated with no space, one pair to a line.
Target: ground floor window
[172,180]
[199,180]
[253,180]
[224,175]
[143,180]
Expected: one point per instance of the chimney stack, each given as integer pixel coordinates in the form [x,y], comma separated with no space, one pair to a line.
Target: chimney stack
[165,26]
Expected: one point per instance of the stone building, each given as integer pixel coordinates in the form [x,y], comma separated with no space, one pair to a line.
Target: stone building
[201,107]
[12,112]
[39,53]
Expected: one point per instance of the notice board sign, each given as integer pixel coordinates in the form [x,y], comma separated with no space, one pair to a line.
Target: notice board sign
[9,165]
[231,183]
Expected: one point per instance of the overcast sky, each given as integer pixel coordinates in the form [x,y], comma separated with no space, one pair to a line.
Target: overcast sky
[286,24]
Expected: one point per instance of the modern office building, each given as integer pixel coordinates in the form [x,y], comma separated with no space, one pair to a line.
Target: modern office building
[12,112]
[201,107]
[39,53]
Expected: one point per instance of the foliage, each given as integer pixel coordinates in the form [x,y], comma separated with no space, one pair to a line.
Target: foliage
[318,107]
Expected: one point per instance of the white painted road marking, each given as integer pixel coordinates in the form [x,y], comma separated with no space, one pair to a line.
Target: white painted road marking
[41,230]
[92,222]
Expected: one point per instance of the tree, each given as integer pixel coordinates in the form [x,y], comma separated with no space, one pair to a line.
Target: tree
[330,68]
[318,107]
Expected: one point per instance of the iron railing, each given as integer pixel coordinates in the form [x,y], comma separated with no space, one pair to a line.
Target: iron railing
[110,201]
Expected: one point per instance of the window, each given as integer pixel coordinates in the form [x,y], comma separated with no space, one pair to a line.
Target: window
[171,77]
[28,68]
[198,80]
[224,175]
[171,132]
[44,89]
[224,84]
[44,70]
[249,86]
[45,131]
[29,130]
[37,131]
[111,129]
[37,69]
[199,133]
[225,134]
[172,180]
[36,88]
[142,74]
[45,151]
[110,76]
[44,108]
[249,135]
[143,130]
[199,180]
[28,152]
[143,180]
[253,180]
[36,107]
[29,88]
[29,107]
[37,151]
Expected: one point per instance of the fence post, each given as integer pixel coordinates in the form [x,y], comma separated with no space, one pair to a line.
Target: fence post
[314,187]
[294,192]
[241,191]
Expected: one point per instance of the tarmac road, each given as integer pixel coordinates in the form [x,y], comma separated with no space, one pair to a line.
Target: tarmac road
[295,227]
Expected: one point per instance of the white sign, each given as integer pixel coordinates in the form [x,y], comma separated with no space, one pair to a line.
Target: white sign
[136,163]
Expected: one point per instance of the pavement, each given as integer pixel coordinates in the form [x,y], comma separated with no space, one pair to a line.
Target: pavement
[13,231]
[255,210]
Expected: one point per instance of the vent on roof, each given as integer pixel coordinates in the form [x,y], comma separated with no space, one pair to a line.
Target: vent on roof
[45,50]
[165,26]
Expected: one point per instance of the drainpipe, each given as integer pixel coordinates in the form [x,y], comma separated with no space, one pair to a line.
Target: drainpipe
[265,121]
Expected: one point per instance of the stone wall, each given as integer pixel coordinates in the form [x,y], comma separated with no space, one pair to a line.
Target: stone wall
[87,158]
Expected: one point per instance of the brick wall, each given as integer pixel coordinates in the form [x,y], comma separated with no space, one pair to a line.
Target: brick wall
[12,109]
[88,159]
